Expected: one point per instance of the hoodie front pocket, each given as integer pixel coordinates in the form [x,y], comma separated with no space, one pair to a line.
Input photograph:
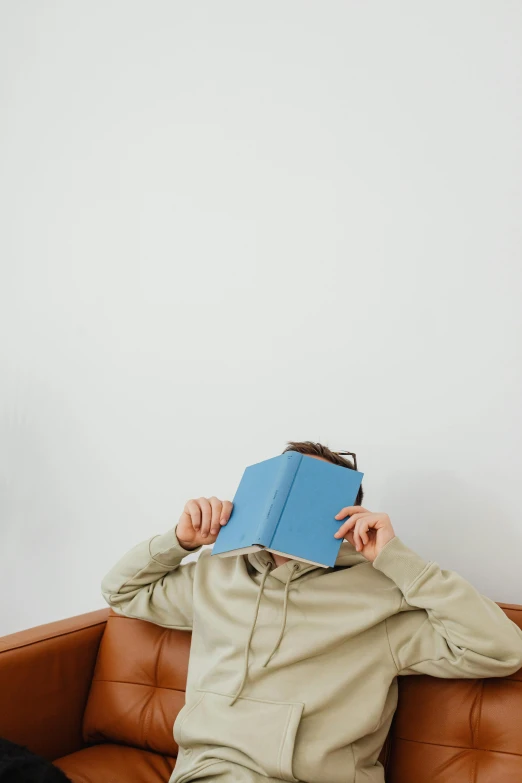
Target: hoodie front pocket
[256,730]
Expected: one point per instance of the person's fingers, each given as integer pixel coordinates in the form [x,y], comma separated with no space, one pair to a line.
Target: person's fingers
[363,531]
[348,525]
[350,510]
[193,510]
[357,534]
[206,515]
[226,511]
[360,534]
[216,506]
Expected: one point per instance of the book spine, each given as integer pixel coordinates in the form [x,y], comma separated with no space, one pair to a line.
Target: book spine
[277,501]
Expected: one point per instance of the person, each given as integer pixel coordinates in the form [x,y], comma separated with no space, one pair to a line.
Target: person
[19,764]
[293,667]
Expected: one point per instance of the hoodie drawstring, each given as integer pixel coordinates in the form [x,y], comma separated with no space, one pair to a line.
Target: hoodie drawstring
[285,604]
[256,611]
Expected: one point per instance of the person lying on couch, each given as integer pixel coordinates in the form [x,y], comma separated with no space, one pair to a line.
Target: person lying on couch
[293,667]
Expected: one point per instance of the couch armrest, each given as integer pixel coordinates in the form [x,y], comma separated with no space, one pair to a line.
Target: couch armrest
[513,611]
[45,677]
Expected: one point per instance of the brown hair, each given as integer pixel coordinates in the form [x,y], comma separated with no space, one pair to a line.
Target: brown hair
[318,450]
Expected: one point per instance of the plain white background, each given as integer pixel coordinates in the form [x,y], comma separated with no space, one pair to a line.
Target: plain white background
[227,225]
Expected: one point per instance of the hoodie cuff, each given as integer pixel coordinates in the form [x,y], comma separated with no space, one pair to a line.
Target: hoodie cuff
[166,549]
[400,563]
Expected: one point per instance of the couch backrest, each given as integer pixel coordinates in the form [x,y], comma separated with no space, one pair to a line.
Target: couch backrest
[138,686]
[451,731]
[446,731]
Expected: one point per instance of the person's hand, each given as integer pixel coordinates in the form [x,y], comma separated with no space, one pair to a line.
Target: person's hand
[201,521]
[367,532]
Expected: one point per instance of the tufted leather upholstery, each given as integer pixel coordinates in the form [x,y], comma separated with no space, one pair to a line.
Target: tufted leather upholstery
[138,685]
[98,695]
[458,730]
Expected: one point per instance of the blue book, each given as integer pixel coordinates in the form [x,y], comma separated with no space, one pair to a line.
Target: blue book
[287,505]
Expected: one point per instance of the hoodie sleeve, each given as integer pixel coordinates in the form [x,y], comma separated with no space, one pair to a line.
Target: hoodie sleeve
[444,627]
[149,583]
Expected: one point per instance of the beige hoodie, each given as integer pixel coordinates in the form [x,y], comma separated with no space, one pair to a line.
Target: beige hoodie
[292,672]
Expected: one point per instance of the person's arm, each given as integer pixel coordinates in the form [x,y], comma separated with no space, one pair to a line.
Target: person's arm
[150,583]
[445,627]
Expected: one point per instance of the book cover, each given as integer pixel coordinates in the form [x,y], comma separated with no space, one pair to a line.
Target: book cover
[287,505]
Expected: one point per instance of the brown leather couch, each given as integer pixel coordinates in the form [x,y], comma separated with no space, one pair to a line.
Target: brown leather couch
[97,694]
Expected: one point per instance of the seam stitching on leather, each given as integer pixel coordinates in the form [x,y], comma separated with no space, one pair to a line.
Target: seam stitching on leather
[51,636]
[142,685]
[457,747]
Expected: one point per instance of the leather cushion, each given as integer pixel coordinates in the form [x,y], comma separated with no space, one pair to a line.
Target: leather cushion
[113,763]
[138,686]
[458,730]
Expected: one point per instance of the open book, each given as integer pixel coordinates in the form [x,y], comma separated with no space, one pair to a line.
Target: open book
[287,505]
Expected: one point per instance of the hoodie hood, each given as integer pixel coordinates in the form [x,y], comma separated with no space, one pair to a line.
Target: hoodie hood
[346,557]
[291,571]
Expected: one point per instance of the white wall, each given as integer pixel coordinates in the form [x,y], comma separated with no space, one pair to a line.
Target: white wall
[227,225]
